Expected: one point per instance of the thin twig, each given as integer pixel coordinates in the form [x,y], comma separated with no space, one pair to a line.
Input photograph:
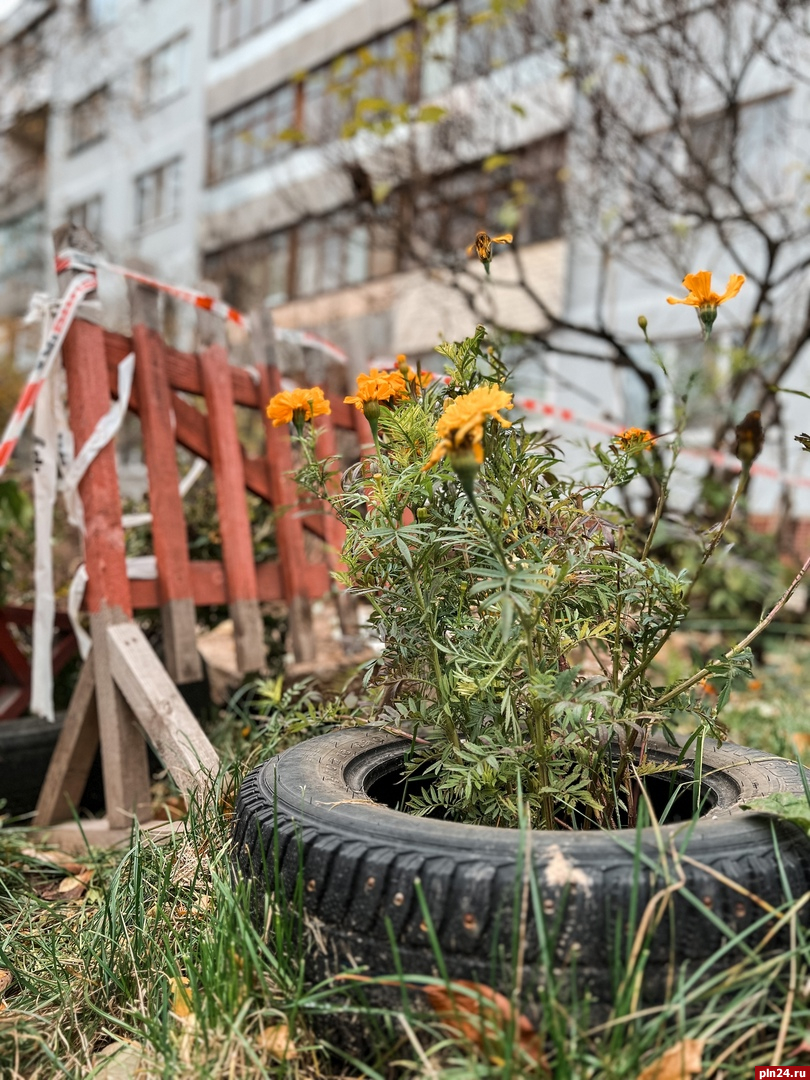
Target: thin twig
[738,648]
[779,1049]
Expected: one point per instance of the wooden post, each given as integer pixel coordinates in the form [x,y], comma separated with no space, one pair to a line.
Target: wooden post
[289,527]
[73,756]
[177,610]
[123,750]
[178,739]
[234,522]
[335,533]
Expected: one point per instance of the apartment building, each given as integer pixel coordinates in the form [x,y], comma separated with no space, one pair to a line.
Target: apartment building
[332,160]
[360,234]
[101,124]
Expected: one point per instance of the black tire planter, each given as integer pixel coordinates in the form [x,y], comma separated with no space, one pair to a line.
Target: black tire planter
[310,806]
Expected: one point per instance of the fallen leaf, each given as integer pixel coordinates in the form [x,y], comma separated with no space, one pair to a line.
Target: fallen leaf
[489,1013]
[181,997]
[681,1061]
[55,858]
[5,980]
[277,1042]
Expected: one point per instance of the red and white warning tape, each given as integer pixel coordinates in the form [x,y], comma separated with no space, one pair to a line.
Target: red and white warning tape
[309,340]
[79,260]
[80,288]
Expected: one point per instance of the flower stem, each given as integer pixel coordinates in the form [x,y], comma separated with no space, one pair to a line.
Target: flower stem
[738,648]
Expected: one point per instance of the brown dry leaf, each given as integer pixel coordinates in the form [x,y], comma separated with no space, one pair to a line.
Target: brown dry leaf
[5,980]
[277,1042]
[489,1014]
[64,861]
[67,888]
[3,1006]
[680,1062]
[181,997]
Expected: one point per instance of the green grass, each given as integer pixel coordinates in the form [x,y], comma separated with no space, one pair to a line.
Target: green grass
[106,971]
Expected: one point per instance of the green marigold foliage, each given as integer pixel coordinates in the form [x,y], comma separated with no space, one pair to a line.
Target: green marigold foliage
[518,626]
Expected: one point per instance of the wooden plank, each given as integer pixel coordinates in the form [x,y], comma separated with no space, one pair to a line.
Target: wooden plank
[279,464]
[72,760]
[209,584]
[124,759]
[123,751]
[177,738]
[184,375]
[24,616]
[88,401]
[178,617]
[234,521]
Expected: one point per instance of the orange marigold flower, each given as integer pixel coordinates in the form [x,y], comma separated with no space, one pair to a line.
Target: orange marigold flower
[634,439]
[701,296]
[383,387]
[460,428]
[700,290]
[297,406]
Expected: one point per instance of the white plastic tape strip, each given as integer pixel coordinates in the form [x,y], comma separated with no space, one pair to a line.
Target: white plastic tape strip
[105,430]
[49,425]
[45,471]
[142,567]
[139,568]
[198,466]
[79,288]
[74,604]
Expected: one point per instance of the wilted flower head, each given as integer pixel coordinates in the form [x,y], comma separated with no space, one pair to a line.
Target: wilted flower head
[482,246]
[297,406]
[750,437]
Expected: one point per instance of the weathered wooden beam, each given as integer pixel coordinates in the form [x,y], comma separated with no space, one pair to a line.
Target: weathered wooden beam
[279,466]
[234,521]
[72,760]
[178,617]
[184,375]
[170,726]
[208,579]
[123,751]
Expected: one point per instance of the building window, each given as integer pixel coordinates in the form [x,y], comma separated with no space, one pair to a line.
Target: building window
[235,20]
[21,243]
[332,252]
[157,194]
[87,214]
[88,120]
[744,148]
[99,12]
[164,74]
[254,134]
